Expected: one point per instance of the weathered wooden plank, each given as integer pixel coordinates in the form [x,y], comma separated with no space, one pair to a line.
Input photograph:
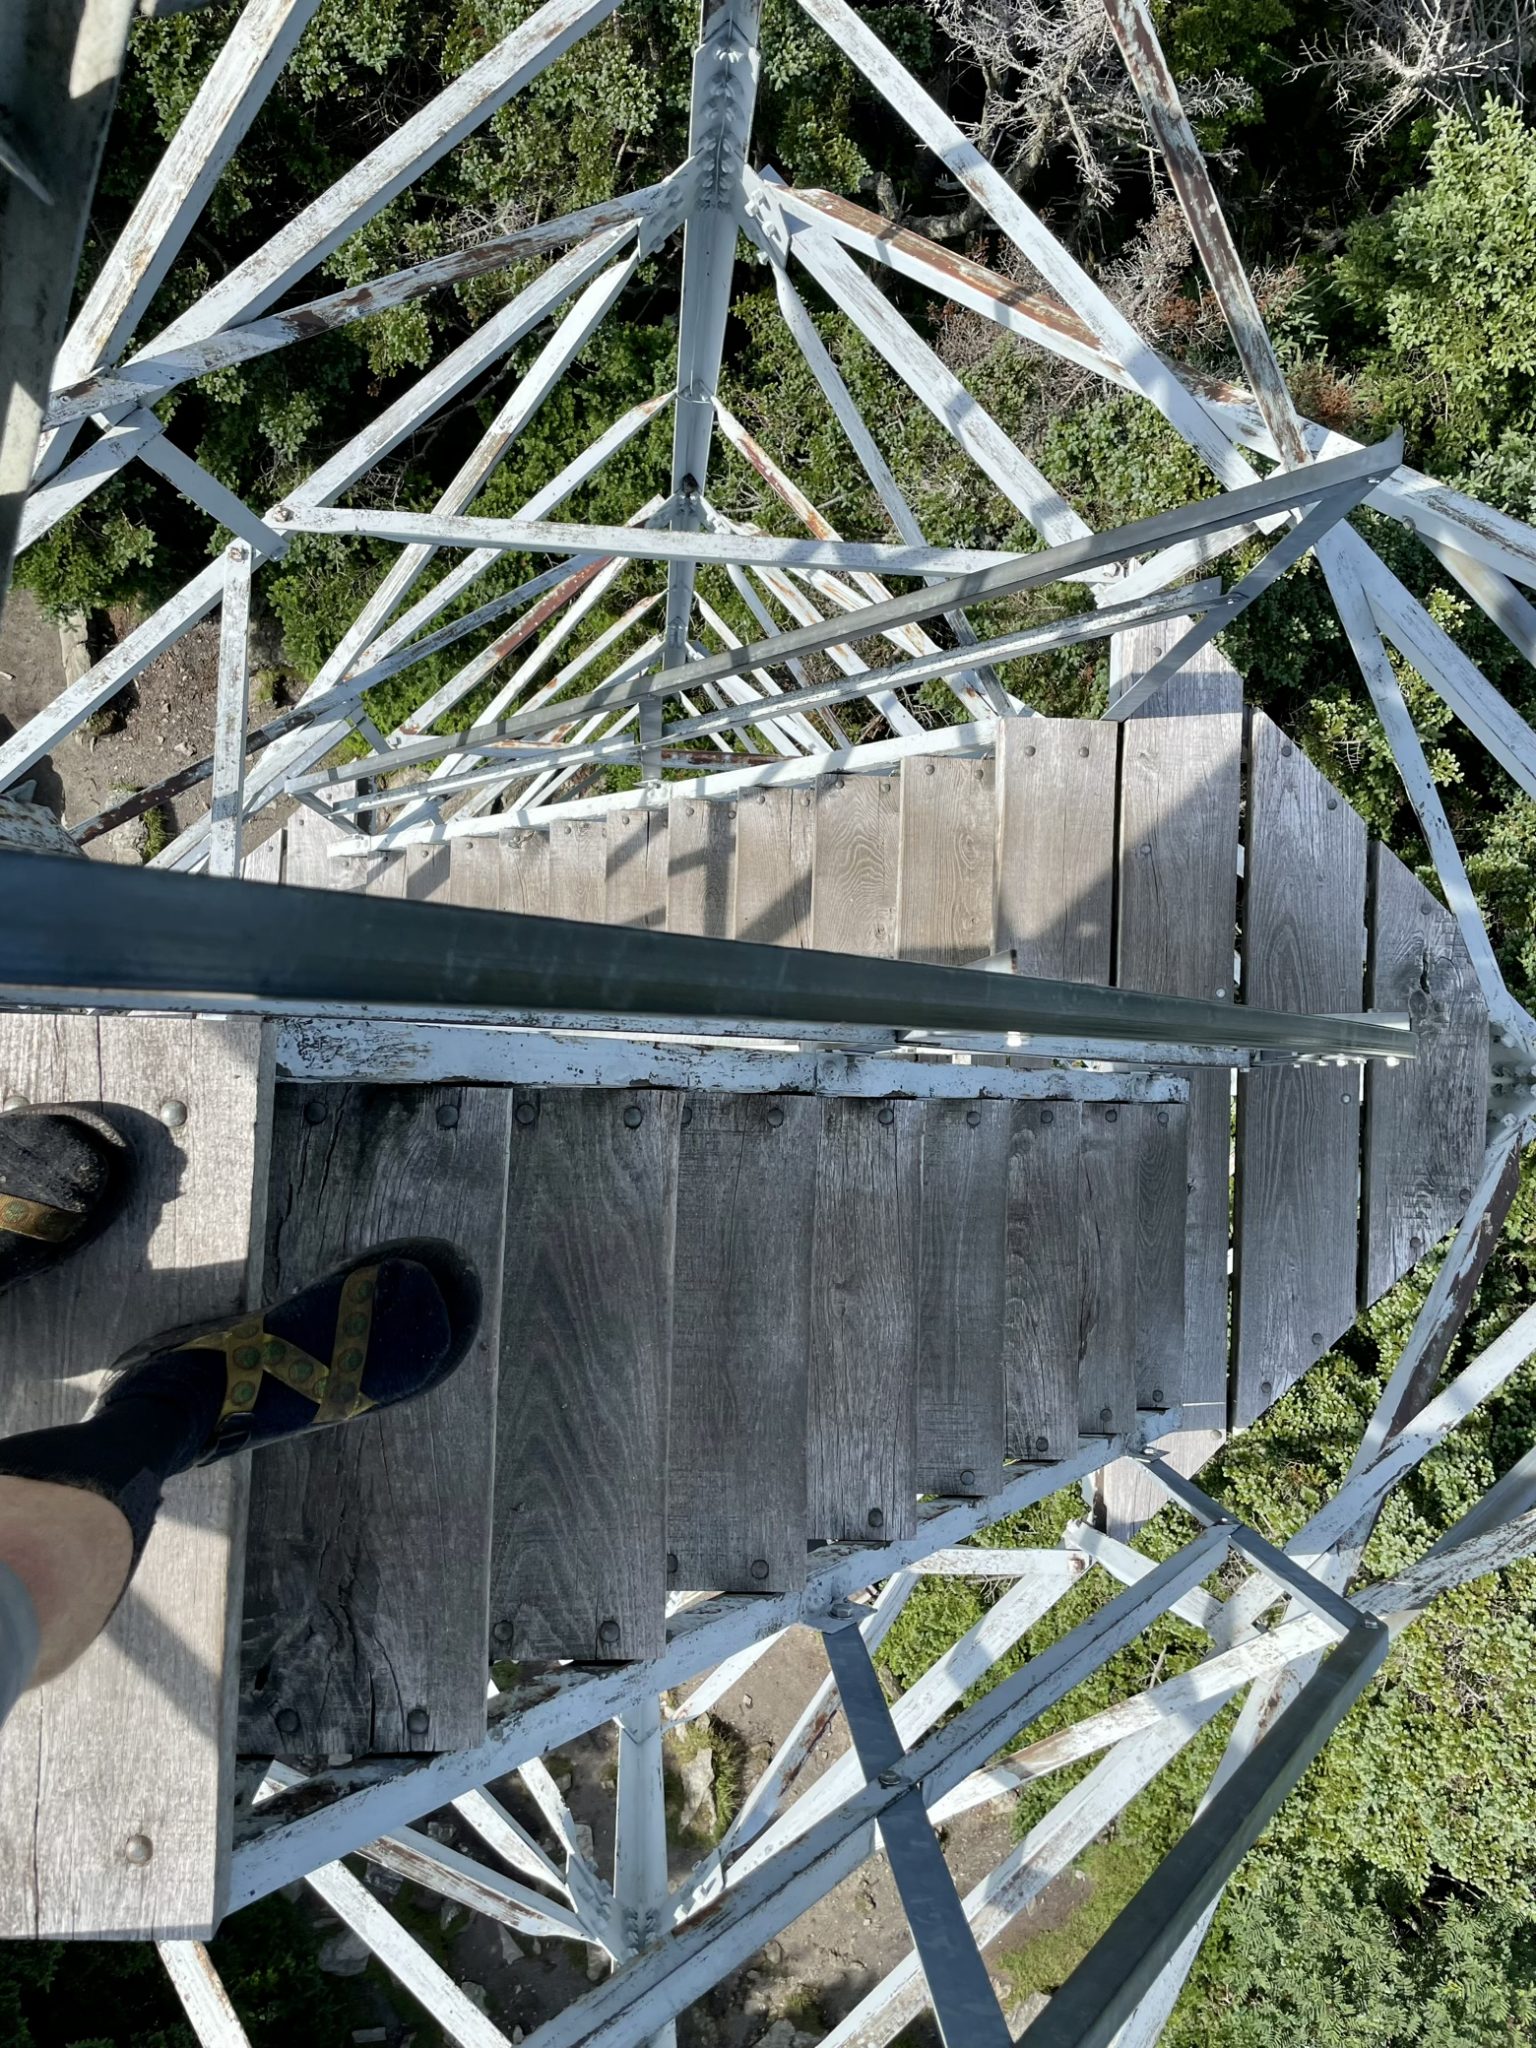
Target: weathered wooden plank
[637,868]
[1298,1128]
[578,1548]
[1105,1213]
[1044,1280]
[853,892]
[961,1296]
[863,1385]
[701,840]
[736,1458]
[366,1573]
[948,853]
[137,1739]
[577,872]
[775,837]
[1176,928]
[428,871]
[307,862]
[1424,1119]
[1160,1164]
[1056,837]
[525,879]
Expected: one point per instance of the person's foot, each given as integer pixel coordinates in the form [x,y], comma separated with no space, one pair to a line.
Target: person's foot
[385,1327]
[64,1174]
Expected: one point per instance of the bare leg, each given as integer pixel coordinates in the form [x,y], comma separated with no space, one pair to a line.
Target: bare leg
[71,1550]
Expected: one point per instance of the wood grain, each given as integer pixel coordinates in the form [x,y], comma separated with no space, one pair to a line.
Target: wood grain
[1298,1128]
[701,839]
[858,837]
[366,1573]
[525,885]
[863,1388]
[577,872]
[736,1456]
[1056,837]
[1105,1209]
[137,1738]
[948,852]
[1424,1119]
[961,1297]
[1043,1280]
[578,1550]
[1175,934]
[637,868]
[1160,1168]
[775,839]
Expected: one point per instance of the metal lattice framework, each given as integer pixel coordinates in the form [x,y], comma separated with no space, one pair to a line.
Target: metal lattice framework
[668,686]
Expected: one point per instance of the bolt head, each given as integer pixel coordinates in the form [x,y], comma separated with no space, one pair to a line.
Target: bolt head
[887,1115]
[876,1518]
[973,1117]
[15,1101]
[447,1115]
[287,1721]
[418,1720]
[608,1633]
[968,1478]
[759,1568]
[775,1117]
[138,1849]
[525,1113]
[172,1114]
[634,1116]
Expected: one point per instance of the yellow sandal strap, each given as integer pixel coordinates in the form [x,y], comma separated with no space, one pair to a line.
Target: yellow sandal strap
[250,1350]
[38,1219]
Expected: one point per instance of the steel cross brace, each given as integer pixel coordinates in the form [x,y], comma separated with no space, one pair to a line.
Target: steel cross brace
[968,2012]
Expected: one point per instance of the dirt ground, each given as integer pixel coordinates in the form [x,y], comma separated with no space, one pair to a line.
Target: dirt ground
[158,724]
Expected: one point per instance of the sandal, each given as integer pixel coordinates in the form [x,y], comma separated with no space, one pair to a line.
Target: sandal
[385,1327]
[65,1173]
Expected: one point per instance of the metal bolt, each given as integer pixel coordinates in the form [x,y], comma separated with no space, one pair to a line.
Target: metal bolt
[1162,1116]
[634,1116]
[687,810]
[1106,1415]
[1266,1388]
[525,1113]
[281,513]
[1287,750]
[1333,803]
[973,1117]
[418,1721]
[287,1721]
[1029,750]
[236,551]
[138,1848]
[1111,1116]
[1346,1096]
[447,1115]
[671,1564]
[775,1117]
[1317,1336]
[1082,753]
[687,1116]
[15,1101]
[1042,1444]
[172,1114]
[1047,1116]
[759,1567]
[886,1114]
[1465,1194]
[968,1478]
[1219,993]
[889,1780]
[876,1518]
[1157,1397]
[1144,852]
[501,1632]
[928,770]
[608,1634]
[315,1111]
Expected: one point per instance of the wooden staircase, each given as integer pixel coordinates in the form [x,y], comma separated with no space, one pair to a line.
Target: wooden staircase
[723,1326]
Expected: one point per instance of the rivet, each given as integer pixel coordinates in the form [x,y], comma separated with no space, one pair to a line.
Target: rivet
[1144,851]
[418,1721]
[315,1111]
[1157,1397]
[138,1848]
[886,1114]
[1082,753]
[1317,1336]
[1465,1194]
[1111,1116]
[762,799]
[775,1117]
[525,1113]
[15,1101]
[1042,1444]
[687,1116]
[876,1518]
[287,1721]
[687,810]
[973,1117]
[1029,750]
[172,1114]
[1047,1116]
[1415,1243]
[1106,1415]
[501,1632]
[1266,1388]
[1162,1116]
[929,769]
[1333,803]
[447,1115]
[608,1634]
[634,1116]
[805,803]
[968,1478]
[1219,993]
[759,1567]
[1287,750]
[980,775]
[671,1564]
[885,789]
